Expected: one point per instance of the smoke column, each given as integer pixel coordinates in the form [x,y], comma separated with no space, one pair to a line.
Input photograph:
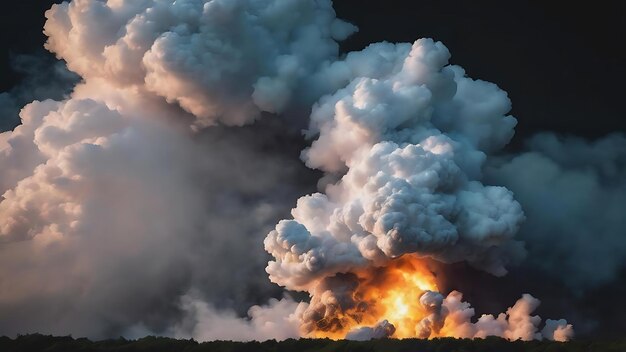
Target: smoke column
[148,200]
[406,141]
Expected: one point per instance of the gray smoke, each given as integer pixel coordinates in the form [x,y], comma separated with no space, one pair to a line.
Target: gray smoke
[573,193]
[382,330]
[145,212]
[42,78]
[115,215]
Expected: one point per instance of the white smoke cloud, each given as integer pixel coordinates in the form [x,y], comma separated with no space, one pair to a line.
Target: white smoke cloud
[110,207]
[278,320]
[381,330]
[450,316]
[413,158]
[558,330]
[115,201]
[223,60]
[517,323]
[432,302]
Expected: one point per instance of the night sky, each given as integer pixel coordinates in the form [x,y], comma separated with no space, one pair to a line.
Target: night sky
[562,64]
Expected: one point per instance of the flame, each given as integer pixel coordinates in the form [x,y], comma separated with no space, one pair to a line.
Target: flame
[390,293]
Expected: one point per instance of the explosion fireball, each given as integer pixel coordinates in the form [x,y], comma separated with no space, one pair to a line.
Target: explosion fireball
[401,300]
[387,293]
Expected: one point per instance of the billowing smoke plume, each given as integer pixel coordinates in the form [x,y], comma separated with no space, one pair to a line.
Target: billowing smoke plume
[407,139]
[113,211]
[223,61]
[413,136]
[138,204]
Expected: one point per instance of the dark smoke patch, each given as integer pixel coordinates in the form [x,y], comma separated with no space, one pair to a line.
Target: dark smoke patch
[572,191]
[42,77]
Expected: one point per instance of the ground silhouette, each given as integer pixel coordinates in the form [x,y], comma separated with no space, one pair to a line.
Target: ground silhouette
[38,342]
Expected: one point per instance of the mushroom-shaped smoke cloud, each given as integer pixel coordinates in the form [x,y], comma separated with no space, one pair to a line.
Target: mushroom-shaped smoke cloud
[403,146]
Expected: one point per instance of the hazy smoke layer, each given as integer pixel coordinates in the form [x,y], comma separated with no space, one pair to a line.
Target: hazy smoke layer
[572,191]
[278,320]
[116,217]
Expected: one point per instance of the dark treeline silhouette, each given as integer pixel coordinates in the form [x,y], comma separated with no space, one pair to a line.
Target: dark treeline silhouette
[37,342]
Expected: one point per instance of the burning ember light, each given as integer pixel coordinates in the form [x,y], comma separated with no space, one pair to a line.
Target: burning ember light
[401,300]
[389,293]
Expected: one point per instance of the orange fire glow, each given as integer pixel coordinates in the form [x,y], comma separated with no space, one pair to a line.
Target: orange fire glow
[390,293]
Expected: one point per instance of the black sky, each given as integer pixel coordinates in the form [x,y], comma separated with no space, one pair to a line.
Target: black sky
[21,32]
[562,63]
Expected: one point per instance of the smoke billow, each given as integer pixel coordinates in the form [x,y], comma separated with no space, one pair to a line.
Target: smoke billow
[452,315]
[115,218]
[407,140]
[114,211]
[278,319]
[413,165]
[148,200]
[223,61]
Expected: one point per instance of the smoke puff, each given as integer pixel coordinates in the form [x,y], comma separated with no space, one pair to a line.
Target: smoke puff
[453,316]
[381,330]
[18,151]
[278,320]
[558,330]
[432,302]
[197,53]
